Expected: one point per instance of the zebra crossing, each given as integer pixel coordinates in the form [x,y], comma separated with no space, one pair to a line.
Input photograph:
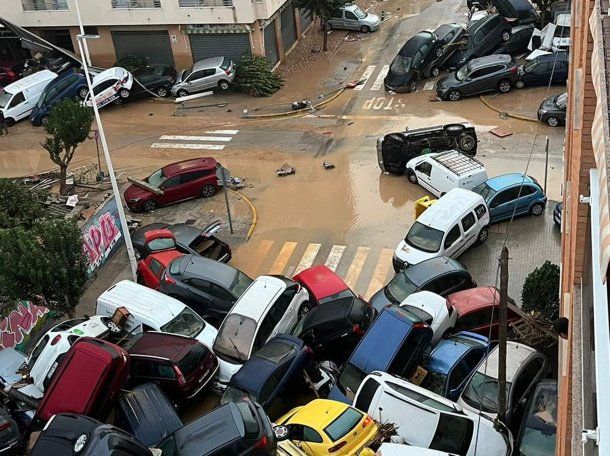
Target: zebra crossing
[210,140]
[373,79]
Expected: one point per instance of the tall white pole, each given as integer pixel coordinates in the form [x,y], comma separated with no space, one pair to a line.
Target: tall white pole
[84,50]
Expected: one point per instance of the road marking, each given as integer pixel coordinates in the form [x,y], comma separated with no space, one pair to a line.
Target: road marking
[195,138]
[387,104]
[429,85]
[187,146]
[222,132]
[282,259]
[366,75]
[261,252]
[310,254]
[355,268]
[334,257]
[381,272]
[382,74]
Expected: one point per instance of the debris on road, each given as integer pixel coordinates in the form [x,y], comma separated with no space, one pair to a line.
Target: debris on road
[500,132]
[328,165]
[285,170]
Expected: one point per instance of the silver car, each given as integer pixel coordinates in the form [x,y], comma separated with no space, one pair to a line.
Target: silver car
[205,74]
[351,17]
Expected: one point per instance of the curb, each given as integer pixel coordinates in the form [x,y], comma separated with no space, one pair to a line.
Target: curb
[514,116]
[296,112]
[254,213]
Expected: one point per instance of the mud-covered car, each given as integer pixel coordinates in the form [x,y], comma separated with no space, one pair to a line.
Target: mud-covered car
[394,150]
[450,37]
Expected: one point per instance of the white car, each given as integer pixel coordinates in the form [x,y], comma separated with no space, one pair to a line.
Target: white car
[561,39]
[433,309]
[400,449]
[427,420]
[112,85]
[270,305]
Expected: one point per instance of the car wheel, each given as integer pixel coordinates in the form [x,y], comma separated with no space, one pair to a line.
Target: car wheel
[124,93]
[519,84]
[365,29]
[455,95]
[411,176]
[537,209]
[161,92]
[412,86]
[9,121]
[83,92]
[483,235]
[44,120]
[149,206]
[208,191]
[504,86]
[434,72]
[182,93]
[552,121]
[224,85]
[303,310]
[467,142]
[505,35]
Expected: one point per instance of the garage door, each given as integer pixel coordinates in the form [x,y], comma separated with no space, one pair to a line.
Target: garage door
[230,45]
[289,30]
[305,20]
[154,45]
[271,43]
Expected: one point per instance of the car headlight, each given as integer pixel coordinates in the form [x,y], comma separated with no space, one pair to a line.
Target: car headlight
[134,200]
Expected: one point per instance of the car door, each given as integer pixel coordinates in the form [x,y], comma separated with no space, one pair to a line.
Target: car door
[336,19]
[526,198]
[307,439]
[196,81]
[172,191]
[471,84]
[350,21]
[469,230]
[526,379]
[462,371]
[223,300]
[197,294]
[189,183]
[19,107]
[541,73]
[150,269]
[423,171]
[453,242]
[560,74]
[286,313]
[502,204]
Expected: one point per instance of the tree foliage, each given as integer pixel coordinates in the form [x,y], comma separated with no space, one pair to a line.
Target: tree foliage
[540,293]
[130,62]
[68,126]
[321,9]
[20,206]
[255,77]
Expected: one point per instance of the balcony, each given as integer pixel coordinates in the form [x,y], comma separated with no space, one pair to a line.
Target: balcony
[135,4]
[45,5]
[204,3]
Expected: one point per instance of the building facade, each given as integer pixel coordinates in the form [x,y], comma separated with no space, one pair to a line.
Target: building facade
[174,32]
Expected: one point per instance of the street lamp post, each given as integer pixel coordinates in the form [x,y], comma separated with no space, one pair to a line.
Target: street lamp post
[86,61]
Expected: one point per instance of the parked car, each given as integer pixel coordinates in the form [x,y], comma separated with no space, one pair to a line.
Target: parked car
[519,40]
[408,65]
[188,239]
[173,183]
[449,38]
[272,376]
[110,86]
[451,363]
[17,100]
[395,343]
[10,436]
[210,288]
[351,17]
[71,84]
[158,79]
[427,420]
[323,285]
[520,11]
[270,305]
[440,275]
[475,307]
[538,433]
[67,434]
[333,329]
[434,310]
[544,70]
[239,427]
[561,40]
[180,365]
[492,73]
[10,71]
[552,110]
[324,426]
[87,381]
[152,268]
[401,449]
[394,150]
[557,214]
[205,74]
[524,368]
[511,195]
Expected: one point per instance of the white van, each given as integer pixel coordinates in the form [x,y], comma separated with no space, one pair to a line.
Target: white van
[440,172]
[455,222]
[19,98]
[154,311]
[401,449]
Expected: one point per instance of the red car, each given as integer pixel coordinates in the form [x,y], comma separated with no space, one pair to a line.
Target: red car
[172,183]
[162,245]
[87,381]
[474,308]
[9,72]
[323,285]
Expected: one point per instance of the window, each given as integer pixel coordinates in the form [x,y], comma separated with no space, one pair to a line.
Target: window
[420,398]
[448,37]
[220,293]
[209,72]
[480,318]
[311,435]
[17,99]
[468,222]
[527,190]
[525,379]
[234,338]
[504,197]
[187,177]
[199,284]
[156,267]
[350,380]
[424,238]
[367,392]
[400,288]
[279,307]
[449,283]
[103,86]
[343,424]
[267,326]
[459,373]
[351,16]
[171,182]
[480,210]
[38,350]
[272,383]
[156,178]
[452,236]
[275,351]
[453,434]
[193,359]
[424,168]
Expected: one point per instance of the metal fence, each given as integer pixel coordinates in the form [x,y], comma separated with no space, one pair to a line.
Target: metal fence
[136,3]
[204,3]
[44,5]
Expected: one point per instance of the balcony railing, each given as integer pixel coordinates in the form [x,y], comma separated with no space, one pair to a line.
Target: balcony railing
[44,5]
[128,4]
[204,3]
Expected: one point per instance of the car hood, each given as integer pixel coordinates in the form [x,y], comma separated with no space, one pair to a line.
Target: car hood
[549,104]
[490,442]
[135,191]
[411,255]
[447,82]
[371,19]
[396,80]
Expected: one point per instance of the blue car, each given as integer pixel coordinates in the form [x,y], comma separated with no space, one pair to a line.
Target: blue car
[271,375]
[452,362]
[71,84]
[504,196]
[395,343]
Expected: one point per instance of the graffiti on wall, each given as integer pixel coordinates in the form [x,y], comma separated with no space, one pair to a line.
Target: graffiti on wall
[17,327]
[101,234]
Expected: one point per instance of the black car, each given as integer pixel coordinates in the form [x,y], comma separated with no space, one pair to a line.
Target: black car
[521,11]
[543,69]
[552,110]
[519,40]
[10,438]
[485,74]
[450,37]
[158,79]
[334,329]
[210,288]
[410,62]
[484,36]
[441,275]
[394,150]
[189,239]
[237,428]
[478,4]
[69,434]
[557,214]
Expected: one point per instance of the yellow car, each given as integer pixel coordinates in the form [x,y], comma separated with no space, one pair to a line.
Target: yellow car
[325,427]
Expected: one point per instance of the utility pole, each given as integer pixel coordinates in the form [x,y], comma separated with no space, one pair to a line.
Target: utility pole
[546,162]
[502,334]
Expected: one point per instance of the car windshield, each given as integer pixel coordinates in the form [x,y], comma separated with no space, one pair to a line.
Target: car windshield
[424,238]
[193,359]
[539,432]
[435,382]
[187,323]
[240,283]
[419,314]
[187,73]
[350,380]
[561,101]
[233,394]
[235,338]
[400,288]
[462,73]
[401,65]
[161,244]
[485,191]
[5,97]
[156,178]
[482,391]
[343,424]
[562,32]
[361,14]
[226,63]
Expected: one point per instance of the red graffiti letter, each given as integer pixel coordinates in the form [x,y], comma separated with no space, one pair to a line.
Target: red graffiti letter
[109,229]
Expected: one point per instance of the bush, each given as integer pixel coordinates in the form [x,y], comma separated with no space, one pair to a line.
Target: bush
[540,294]
[130,62]
[254,76]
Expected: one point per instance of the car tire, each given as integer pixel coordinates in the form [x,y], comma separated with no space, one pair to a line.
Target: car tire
[411,176]
[439,52]
[552,121]
[9,121]
[365,29]
[435,71]
[504,86]
[182,93]
[124,94]
[44,120]
[161,92]
[506,35]
[207,191]
[454,95]
[224,85]
[149,206]
[519,84]
[83,92]
[483,235]
[537,209]
[467,142]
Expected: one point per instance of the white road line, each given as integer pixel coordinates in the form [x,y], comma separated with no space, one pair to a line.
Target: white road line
[195,138]
[366,75]
[282,258]
[380,273]
[222,132]
[334,257]
[310,254]
[187,146]
[380,77]
[353,273]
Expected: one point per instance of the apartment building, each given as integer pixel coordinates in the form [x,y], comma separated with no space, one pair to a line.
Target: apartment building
[175,32]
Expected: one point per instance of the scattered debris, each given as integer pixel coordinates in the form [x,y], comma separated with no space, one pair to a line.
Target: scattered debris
[349,123]
[296,105]
[500,132]
[72,201]
[328,165]
[503,115]
[391,92]
[285,170]
[150,114]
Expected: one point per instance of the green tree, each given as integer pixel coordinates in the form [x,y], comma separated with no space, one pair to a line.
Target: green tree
[255,77]
[20,206]
[321,9]
[540,293]
[46,261]
[68,125]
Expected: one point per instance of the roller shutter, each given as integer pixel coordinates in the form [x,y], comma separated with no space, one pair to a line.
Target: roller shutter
[154,45]
[271,44]
[289,30]
[230,45]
